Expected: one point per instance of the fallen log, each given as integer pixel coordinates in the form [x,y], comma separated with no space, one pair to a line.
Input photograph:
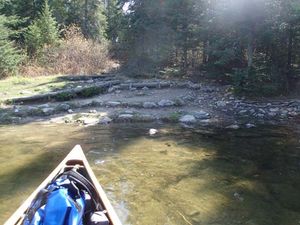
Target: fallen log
[65,95]
[148,85]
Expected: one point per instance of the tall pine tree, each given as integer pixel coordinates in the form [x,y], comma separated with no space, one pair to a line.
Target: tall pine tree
[10,57]
[43,31]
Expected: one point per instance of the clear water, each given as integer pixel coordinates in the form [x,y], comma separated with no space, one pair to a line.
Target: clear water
[179,176]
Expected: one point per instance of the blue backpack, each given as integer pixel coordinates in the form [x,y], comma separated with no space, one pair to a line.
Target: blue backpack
[66,201]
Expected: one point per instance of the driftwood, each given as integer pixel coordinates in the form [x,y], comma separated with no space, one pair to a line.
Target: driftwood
[87,91]
[65,94]
[148,85]
[87,77]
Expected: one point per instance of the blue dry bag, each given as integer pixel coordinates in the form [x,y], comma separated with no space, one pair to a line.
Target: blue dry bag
[66,201]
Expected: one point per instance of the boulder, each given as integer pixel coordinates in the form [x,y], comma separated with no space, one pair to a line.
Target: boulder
[144,118]
[93,111]
[47,111]
[250,125]
[233,127]
[244,111]
[149,105]
[125,116]
[90,121]
[293,113]
[272,114]
[164,103]
[274,110]
[63,107]
[260,115]
[187,119]
[127,111]
[113,104]
[201,115]
[194,86]
[152,131]
[25,92]
[134,104]
[179,102]
[221,103]
[105,120]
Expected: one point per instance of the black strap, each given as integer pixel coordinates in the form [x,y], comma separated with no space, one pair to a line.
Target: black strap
[39,201]
[84,184]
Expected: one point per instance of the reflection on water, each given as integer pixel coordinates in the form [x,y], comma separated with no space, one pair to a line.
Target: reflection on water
[179,176]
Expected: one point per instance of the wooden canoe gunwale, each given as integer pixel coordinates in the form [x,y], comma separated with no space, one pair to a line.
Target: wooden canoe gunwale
[75,157]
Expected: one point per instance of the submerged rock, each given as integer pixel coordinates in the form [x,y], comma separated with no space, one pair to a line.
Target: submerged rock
[250,125]
[233,127]
[238,196]
[153,131]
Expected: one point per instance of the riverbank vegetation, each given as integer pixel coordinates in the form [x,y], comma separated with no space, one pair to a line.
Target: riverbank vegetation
[254,45]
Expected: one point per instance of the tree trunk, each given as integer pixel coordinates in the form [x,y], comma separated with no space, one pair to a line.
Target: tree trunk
[86,17]
[204,52]
[193,58]
[289,81]
[250,50]
[184,58]
[290,48]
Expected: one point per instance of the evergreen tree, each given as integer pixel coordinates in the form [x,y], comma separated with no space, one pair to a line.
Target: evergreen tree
[10,57]
[89,15]
[43,31]
[114,20]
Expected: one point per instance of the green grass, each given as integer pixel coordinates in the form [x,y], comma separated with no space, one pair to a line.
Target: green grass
[14,86]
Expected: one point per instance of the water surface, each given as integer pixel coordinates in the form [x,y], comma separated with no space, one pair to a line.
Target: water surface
[177,177]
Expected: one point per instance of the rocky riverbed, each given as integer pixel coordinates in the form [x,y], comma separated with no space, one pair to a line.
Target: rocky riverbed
[115,100]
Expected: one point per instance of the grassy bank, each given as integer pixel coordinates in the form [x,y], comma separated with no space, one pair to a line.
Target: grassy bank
[24,86]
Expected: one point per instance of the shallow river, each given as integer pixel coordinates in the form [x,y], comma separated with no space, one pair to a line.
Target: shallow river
[179,176]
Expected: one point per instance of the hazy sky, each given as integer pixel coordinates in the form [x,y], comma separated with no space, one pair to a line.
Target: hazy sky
[126,7]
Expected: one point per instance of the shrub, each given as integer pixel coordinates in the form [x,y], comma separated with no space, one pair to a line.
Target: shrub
[65,96]
[256,83]
[74,55]
[174,117]
[91,91]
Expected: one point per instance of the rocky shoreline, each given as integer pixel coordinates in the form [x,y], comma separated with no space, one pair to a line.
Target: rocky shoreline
[98,101]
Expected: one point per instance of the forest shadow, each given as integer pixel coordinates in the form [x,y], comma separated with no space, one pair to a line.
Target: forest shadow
[258,172]
[255,173]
